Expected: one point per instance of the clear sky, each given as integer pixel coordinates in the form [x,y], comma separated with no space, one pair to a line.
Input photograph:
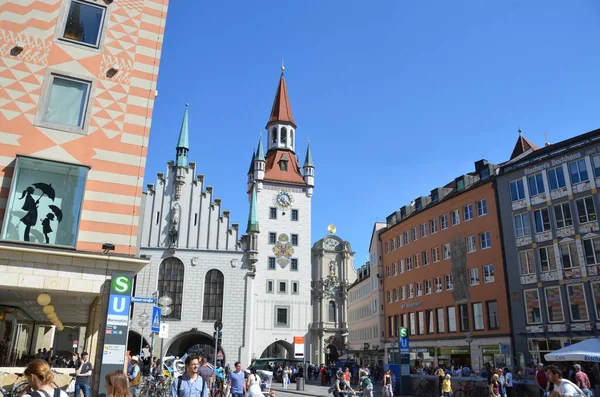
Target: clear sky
[397,97]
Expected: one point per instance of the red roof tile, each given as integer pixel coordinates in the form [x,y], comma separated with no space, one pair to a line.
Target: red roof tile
[522,146]
[282,110]
[273,171]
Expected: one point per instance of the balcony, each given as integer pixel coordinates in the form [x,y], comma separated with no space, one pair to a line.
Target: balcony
[573,272]
[517,205]
[529,279]
[552,275]
[559,193]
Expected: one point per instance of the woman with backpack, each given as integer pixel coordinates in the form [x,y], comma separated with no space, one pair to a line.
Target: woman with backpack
[41,379]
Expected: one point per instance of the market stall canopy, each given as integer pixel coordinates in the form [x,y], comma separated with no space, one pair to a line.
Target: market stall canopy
[587,350]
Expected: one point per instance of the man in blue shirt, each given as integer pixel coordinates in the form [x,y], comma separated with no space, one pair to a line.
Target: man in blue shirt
[236,383]
[190,384]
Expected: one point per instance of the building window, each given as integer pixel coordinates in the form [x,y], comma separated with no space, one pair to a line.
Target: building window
[596,165]
[448,281]
[554,304]
[271,265]
[295,288]
[435,254]
[471,245]
[395,293]
[411,291]
[427,287]
[542,220]
[532,306]
[484,240]
[421,323]
[413,324]
[389,296]
[282,287]
[399,238]
[522,225]
[474,276]
[596,294]
[272,213]
[170,283]
[468,212]
[424,230]
[556,178]
[409,264]
[451,319]
[387,247]
[393,241]
[437,282]
[419,288]
[281,317]
[394,269]
[478,316]
[401,265]
[482,207]
[294,239]
[463,311]
[415,233]
[44,204]
[517,190]
[294,264]
[66,103]
[270,288]
[416,261]
[577,302]
[430,322]
[406,237]
[441,324]
[488,274]
[591,249]
[562,214]
[536,184]
[586,209]
[455,217]
[294,215]
[568,253]
[425,258]
[213,296]
[332,312]
[272,238]
[433,225]
[444,222]
[578,172]
[526,262]
[446,251]
[283,164]
[388,271]
[84,23]
[547,259]
[402,293]
[492,311]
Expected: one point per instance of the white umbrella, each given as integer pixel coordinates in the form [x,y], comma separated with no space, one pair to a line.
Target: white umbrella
[587,350]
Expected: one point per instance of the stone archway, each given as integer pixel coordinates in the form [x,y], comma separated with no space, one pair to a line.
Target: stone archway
[133,342]
[333,354]
[279,349]
[193,342]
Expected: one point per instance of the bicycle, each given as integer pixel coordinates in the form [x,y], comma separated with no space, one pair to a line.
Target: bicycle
[217,389]
[426,388]
[470,389]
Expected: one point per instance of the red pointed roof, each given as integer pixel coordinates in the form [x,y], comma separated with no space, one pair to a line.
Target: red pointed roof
[282,110]
[522,146]
[273,170]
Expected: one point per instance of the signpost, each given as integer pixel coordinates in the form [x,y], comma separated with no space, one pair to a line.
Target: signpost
[404,362]
[117,326]
[155,324]
[138,299]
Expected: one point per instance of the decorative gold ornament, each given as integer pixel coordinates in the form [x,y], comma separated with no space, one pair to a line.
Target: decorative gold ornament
[331,229]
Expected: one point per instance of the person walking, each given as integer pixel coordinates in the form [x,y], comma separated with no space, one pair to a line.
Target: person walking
[116,384]
[582,380]
[447,386]
[135,375]
[502,382]
[235,382]
[40,378]
[441,374]
[253,384]
[82,376]
[494,386]
[205,372]
[563,387]
[542,381]
[509,382]
[285,377]
[387,384]
[190,384]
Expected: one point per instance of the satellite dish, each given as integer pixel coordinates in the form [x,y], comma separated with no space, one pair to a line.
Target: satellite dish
[331,229]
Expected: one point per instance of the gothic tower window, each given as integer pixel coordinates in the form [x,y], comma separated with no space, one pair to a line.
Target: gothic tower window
[274,135]
[283,135]
[213,296]
[170,283]
[332,312]
[291,138]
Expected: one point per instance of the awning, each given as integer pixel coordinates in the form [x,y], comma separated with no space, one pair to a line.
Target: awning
[587,350]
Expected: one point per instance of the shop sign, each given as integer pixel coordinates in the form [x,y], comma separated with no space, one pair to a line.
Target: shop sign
[454,350]
[490,350]
[420,349]
[411,305]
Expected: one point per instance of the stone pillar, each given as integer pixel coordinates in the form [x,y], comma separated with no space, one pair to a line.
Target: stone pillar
[247,349]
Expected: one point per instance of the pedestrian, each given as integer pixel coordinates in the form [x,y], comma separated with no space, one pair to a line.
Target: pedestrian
[235,382]
[502,382]
[253,384]
[41,378]
[205,372]
[116,384]
[135,375]
[190,384]
[367,386]
[285,377]
[341,386]
[582,380]
[564,387]
[441,374]
[447,386]
[494,386]
[509,382]
[387,384]
[82,376]
[542,381]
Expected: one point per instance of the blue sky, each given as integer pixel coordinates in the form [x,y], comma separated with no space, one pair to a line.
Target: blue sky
[397,97]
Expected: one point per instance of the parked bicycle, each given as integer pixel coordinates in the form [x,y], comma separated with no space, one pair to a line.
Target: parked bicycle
[426,388]
[154,387]
[471,389]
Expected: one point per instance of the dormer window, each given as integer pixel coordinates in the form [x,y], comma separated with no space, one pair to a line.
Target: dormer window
[485,173]
[283,135]
[460,185]
[283,163]
[435,196]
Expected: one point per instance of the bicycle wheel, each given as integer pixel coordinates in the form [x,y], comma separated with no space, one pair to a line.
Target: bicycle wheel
[218,393]
[460,393]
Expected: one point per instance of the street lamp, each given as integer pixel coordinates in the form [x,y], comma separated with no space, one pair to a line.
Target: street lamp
[143,323]
[164,302]
[469,339]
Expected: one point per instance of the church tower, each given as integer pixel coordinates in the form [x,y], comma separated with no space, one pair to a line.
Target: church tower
[280,192]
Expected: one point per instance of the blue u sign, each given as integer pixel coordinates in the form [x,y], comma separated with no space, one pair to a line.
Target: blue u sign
[119,304]
[403,344]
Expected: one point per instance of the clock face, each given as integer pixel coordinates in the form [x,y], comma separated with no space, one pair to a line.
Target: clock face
[284,199]
[330,243]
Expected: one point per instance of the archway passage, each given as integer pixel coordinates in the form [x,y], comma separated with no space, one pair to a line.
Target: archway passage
[332,354]
[278,349]
[195,343]
[133,343]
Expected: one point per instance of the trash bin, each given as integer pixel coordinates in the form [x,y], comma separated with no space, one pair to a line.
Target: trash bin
[299,383]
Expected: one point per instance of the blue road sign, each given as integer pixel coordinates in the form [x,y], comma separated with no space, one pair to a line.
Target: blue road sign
[139,299]
[404,344]
[155,319]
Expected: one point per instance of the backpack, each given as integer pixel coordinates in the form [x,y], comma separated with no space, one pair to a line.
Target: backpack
[367,384]
[179,380]
[43,393]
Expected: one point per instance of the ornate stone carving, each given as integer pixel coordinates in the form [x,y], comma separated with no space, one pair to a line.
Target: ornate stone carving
[195,261]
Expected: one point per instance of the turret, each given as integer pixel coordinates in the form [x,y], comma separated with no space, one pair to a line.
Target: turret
[181,157]
[253,230]
[251,171]
[309,171]
[281,126]
[259,165]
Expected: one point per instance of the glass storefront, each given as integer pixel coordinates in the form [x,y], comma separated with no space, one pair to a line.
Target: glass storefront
[16,332]
[44,204]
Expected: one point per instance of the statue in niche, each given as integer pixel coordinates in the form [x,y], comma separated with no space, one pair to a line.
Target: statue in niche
[332,268]
[174,230]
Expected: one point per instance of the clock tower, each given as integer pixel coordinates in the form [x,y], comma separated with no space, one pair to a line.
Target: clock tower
[280,192]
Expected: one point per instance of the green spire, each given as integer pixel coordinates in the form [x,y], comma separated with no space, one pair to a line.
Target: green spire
[251,169]
[308,161]
[253,215]
[183,141]
[260,155]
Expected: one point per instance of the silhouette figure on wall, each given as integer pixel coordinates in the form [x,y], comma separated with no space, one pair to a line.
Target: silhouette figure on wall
[47,228]
[31,206]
